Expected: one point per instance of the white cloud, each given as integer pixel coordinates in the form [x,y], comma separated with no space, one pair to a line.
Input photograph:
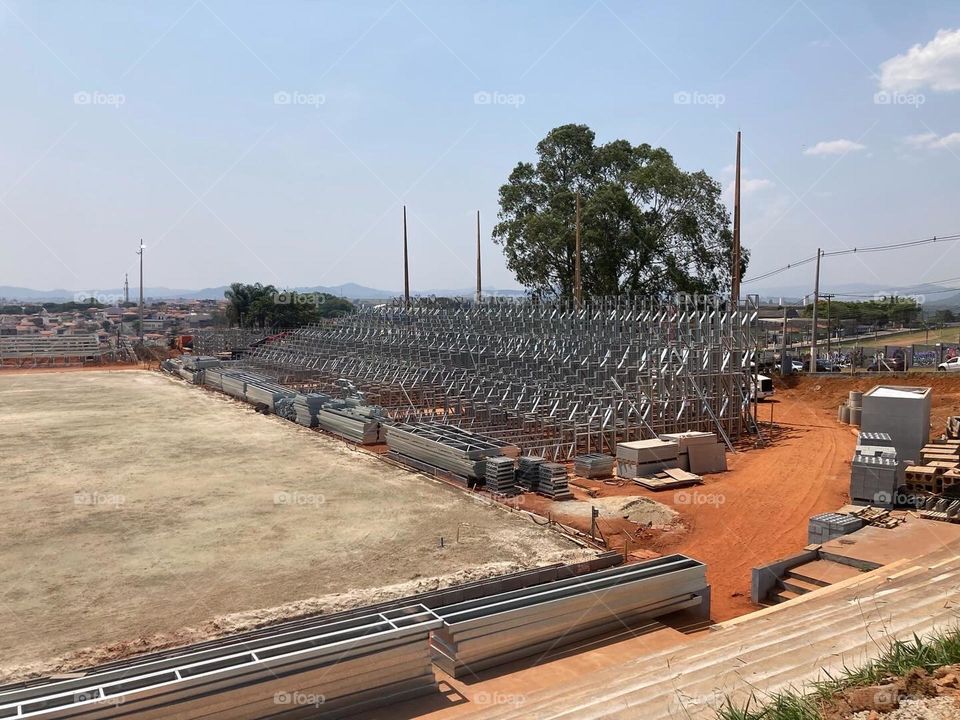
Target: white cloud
[750,185]
[932,141]
[935,65]
[834,147]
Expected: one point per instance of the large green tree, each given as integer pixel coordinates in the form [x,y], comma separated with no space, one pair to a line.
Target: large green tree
[647,227]
[263,306]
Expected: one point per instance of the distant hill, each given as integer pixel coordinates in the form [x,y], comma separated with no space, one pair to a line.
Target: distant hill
[351,291]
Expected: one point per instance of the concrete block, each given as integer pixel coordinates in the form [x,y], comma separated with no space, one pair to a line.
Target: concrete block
[705,459]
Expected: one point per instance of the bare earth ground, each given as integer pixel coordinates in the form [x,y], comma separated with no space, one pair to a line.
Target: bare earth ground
[140,512]
[756,512]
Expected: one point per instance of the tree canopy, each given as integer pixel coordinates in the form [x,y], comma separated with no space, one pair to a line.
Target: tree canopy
[263,306]
[647,227]
[880,312]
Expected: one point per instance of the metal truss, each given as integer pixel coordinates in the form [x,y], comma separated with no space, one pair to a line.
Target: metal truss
[555,380]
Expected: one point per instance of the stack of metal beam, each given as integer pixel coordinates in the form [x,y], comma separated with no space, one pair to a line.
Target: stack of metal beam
[304,408]
[262,391]
[553,481]
[481,633]
[528,472]
[501,475]
[322,671]
[358,424]
[447,447]
[213,378]
[233,385]
[595,465]
[199,362]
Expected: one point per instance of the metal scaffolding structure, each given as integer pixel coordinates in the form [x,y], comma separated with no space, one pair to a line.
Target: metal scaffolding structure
[53,351]
[555,380]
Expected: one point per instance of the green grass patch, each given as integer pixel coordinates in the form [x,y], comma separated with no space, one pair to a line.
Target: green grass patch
[939,648]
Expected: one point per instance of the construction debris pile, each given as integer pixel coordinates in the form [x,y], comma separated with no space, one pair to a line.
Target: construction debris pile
[552,379]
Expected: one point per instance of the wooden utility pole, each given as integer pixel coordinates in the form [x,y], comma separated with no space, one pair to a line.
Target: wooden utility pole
[735,275]
[577,287]
[816,301]
[479,290]
[406,264]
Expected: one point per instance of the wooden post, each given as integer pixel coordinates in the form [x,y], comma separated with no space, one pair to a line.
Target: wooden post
[735,275]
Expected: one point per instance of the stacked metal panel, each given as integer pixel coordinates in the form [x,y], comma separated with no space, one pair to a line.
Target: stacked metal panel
[357,424]
[233,385]
[478,634]
[213,378]
[594,465]
[553,481]
[199,362]
[501,475]
[873,480]
[831,525]
[446,446]
[322,671]
[528,472]
[306,408]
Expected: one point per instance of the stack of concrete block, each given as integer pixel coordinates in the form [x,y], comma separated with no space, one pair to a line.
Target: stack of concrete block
[501,475]
[873,480]
[686,440]
[641,458]
[873,444]
[828,526]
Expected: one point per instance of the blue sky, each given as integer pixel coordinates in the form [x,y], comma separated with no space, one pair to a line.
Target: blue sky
[277,141]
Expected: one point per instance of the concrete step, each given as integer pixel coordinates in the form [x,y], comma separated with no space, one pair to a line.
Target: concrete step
[798,585]
[784,595]
[822,572]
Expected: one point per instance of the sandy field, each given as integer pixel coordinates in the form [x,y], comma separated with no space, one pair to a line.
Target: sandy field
[139,512]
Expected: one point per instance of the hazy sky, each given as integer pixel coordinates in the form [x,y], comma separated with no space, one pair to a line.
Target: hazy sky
[276,141]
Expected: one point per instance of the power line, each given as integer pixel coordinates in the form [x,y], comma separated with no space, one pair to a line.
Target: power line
[852,251]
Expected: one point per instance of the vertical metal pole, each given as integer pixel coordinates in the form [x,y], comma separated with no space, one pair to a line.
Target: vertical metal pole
[479,290]
[577,288]
[140,253]
[783,352]
[406,264]
[816,301]
[735,275]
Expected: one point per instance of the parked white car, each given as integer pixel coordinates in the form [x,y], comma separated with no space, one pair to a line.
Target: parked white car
[950,365]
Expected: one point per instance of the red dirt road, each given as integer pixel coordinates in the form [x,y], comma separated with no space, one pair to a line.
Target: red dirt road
[758,511]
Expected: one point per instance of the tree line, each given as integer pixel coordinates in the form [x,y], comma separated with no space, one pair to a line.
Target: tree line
[265,306]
